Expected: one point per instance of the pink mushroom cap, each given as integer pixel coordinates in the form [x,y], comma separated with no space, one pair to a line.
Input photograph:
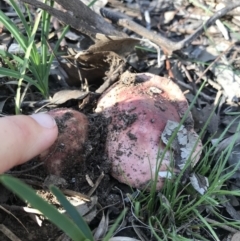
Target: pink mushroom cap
[139,106]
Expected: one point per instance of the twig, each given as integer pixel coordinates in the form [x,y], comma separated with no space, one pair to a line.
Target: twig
[32,182]
[9,233]
[26,170]
[221,225]
[192,83]
[138,231]
[5,210]
[214,85]
[165,43]
[19,208]
[160,40]
[96,184]
[73,193]
[219,56]
[185,225]
[206,97]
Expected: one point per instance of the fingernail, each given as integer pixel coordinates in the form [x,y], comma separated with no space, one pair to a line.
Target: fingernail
[44,120]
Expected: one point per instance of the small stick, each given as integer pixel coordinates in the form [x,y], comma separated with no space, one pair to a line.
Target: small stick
[26,170]
[221,225]
[96,184]
[19,208]
[219,56]
[9,233]
[77,194]
[206,97]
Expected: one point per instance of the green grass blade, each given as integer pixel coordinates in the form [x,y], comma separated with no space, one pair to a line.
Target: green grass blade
[30,19]
[44,35]
[45,56]
[16,75]
[155,220]
[45,78]
[64,31]
[10,26]
[73,213]
[34,56]
[207,225]
[5,54]
[20,62]
[91,3]
[113,228]
[28,194]
[25,63]
[21,16]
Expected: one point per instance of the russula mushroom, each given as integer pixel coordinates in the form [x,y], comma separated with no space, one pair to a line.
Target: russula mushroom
[68,148]
[139,106]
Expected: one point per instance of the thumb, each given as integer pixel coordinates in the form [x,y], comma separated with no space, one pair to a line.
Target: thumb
[24,137]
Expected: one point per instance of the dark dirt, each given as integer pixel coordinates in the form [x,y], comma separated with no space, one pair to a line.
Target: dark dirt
[95,163]
[67,151]
[29,230]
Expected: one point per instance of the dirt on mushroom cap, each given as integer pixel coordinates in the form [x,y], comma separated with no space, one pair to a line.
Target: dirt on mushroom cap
[68,148]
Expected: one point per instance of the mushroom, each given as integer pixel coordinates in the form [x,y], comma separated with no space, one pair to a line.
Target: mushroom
[68,148]
[139,107]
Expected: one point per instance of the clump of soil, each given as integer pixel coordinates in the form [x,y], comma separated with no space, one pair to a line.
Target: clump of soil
[95,145]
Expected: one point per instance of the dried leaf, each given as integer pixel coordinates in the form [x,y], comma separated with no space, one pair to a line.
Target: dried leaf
[199,183]
[101,59]
[120,45]
[83,207]
[229,81]
[183,144]
[55,180]
[165,202]
[169,16]
[79,17]
[63,96]
[102,227]
[225,143]
[72,36]
[91,215]
[165,174]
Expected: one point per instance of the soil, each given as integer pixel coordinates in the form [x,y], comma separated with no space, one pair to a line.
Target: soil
[75,179]
[94,72]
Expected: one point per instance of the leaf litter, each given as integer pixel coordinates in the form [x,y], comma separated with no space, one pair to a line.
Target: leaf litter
[211,55]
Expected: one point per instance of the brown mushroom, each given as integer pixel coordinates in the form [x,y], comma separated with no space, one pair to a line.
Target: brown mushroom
[68,148]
